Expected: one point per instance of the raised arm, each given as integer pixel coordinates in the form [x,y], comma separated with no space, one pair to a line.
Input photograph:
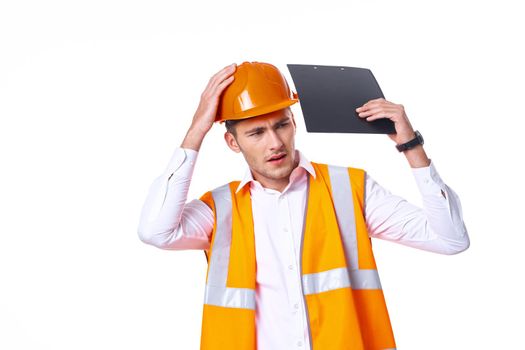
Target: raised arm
[438,226]
[166,220]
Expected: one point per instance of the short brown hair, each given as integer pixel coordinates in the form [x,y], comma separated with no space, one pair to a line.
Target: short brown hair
[230,126]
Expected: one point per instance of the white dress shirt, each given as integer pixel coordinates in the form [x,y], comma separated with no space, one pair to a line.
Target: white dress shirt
[168,222]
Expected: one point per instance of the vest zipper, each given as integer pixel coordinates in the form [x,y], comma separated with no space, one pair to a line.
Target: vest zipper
[301,264]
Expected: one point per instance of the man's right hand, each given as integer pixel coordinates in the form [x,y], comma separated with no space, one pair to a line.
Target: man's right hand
[207,110]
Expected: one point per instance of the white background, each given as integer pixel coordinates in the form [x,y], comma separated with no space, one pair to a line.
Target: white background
[96,95]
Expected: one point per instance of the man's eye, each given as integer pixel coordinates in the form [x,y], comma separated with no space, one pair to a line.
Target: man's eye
[281,125]
[256,133]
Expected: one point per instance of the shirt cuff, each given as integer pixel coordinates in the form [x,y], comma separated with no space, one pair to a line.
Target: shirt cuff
[181,156]
[428,180]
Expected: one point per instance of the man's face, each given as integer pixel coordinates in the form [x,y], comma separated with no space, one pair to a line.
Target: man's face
[267,142]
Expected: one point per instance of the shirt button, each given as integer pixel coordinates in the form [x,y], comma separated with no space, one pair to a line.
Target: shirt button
[285,229]
[290,267]
[299,343]
[296,306]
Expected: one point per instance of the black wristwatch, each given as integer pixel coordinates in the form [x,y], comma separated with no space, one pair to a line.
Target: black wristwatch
[418,140]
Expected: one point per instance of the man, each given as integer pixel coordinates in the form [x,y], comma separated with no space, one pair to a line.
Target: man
[290,261]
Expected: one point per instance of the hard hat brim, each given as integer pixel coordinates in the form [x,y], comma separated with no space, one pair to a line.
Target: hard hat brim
[254,112]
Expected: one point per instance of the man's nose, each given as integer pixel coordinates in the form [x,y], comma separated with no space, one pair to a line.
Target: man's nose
[275,140]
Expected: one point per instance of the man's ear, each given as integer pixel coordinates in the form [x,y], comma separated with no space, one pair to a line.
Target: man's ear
[231,142]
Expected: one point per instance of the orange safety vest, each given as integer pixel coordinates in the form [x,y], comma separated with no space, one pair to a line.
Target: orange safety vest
[345,305]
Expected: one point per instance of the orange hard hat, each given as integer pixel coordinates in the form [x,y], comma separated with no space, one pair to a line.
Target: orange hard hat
[257,88]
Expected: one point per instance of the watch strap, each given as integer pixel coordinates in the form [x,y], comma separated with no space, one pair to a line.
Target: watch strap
[418,140]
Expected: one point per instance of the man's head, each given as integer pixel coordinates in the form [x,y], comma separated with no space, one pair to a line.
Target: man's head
[259,121]
[267,143]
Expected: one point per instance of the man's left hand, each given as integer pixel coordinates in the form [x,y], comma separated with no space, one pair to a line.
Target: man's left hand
[381,108]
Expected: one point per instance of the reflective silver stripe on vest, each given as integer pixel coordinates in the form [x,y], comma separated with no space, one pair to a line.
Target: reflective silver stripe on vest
[325,281]
[344,209]
[220,254]
[365,279]
[230,297]
[216,292]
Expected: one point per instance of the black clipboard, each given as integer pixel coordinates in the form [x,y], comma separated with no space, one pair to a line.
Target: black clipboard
[329,95]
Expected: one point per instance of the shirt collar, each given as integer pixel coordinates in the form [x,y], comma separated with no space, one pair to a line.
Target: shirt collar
[303,162]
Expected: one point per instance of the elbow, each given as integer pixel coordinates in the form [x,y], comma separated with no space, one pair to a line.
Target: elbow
[466,243]
[163,238]
[152,237]
[458,246]
[145,236]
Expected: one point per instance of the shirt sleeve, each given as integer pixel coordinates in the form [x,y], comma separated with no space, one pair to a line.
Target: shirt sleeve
[437,227]
[166,220]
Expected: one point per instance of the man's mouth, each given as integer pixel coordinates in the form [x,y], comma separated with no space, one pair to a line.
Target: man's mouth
[277,158]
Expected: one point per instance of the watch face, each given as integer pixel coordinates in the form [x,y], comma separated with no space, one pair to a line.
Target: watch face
[420,137]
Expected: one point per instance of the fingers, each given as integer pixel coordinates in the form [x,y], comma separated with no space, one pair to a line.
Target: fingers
[224,73]
[374,103]
[224,84]
[378,113]
[368,112]
[220,76]
[380,108]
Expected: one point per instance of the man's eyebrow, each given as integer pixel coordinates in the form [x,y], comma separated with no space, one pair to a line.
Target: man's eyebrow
[259,128]
[285,119]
